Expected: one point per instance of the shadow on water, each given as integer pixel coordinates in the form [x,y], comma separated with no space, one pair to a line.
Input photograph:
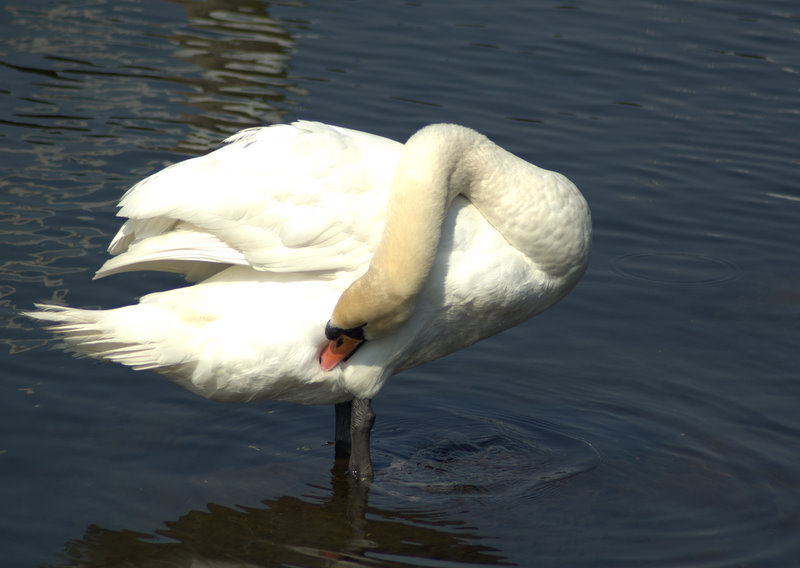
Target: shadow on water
[337,528]
[490,461]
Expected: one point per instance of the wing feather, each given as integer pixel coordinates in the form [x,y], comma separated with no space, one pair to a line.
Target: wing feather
[284,198]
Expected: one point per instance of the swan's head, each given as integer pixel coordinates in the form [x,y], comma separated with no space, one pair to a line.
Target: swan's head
[366,311]
[342,344]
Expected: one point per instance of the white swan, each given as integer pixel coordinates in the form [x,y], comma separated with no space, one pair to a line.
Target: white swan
[409,252]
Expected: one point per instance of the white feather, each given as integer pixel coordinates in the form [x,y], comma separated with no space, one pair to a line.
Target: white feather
[276,224]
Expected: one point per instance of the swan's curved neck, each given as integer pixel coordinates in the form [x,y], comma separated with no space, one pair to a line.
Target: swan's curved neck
[437,164]
[433,169]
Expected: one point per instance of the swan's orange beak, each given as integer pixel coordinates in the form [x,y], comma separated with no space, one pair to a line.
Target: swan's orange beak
[338,350]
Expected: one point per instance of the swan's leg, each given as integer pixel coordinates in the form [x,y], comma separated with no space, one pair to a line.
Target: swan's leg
[342,437]
[354,420]
[361,420]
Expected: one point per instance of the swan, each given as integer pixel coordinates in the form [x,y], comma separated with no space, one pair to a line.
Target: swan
[325,259]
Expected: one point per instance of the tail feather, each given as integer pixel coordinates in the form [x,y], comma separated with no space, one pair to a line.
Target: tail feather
[123,335]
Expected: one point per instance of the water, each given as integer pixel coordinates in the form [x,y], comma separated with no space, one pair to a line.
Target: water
[648,420]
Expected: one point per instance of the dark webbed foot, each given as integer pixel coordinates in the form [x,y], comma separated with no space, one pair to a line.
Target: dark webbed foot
[354,420]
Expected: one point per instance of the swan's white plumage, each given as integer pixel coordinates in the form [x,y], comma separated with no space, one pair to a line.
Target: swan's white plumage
[275,225]
[286,198]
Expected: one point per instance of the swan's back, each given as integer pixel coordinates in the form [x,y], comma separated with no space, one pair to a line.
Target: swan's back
[284,198]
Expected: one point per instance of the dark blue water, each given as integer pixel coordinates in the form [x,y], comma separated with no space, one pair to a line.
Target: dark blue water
[650,419]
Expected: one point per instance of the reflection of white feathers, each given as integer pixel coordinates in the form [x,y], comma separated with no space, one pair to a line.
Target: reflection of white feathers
[275,225]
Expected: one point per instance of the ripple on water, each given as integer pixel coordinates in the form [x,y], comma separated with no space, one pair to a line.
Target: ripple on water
[493,457]
[675,268]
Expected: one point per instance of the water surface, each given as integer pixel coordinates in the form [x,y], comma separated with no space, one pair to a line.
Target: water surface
[647,420]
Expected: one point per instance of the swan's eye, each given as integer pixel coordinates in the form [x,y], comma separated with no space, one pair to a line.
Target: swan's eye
[333,332]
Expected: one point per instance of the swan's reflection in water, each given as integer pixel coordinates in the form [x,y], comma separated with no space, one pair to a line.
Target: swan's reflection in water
[336,529]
